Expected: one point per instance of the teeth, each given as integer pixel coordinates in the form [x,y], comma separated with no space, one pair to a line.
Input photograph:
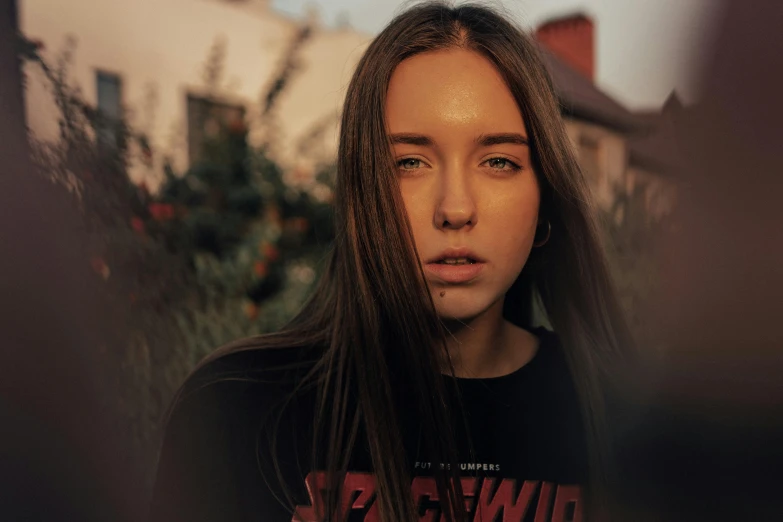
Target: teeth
[457,261]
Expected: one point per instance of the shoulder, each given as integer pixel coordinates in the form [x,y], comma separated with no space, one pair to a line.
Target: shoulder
[554,373]
[560,395]
[550,355]
[245,360]
[208,467]
[225,382]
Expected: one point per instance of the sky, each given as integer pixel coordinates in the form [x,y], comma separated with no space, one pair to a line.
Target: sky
[644,49]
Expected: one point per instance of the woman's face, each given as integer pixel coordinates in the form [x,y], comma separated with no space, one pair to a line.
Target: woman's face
[466,177]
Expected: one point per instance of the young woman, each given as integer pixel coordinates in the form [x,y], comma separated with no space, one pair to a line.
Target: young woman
[413,384]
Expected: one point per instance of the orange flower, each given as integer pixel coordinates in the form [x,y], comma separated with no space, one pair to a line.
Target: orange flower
[301,224]
[100,267]
[161,211]
[270,251]
[137,224]
[251,310]
[297,224]
[97,263]
[259,268]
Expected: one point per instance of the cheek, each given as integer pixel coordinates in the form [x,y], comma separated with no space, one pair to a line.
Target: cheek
[418,206]
[516,246]
[512,225]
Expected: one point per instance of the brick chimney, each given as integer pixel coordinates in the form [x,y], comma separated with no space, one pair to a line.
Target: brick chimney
[570,38]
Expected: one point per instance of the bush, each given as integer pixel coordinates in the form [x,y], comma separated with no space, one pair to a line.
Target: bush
[225,250]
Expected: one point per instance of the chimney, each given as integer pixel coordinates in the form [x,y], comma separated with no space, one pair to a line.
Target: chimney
[570,38]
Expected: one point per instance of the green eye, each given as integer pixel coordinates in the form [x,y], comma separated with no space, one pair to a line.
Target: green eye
[502,164]
[409,163]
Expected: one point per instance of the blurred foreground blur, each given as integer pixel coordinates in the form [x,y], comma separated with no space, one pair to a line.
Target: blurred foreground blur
[111,290]
[707,446]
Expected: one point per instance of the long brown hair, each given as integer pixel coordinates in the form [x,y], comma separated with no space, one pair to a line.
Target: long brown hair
[372,313]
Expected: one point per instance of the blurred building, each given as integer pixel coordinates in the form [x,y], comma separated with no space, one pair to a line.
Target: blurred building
[620,152]
[167,64]
[654,154]
[172,66]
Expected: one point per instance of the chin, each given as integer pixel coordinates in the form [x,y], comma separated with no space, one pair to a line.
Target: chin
[459,308]
[461,315]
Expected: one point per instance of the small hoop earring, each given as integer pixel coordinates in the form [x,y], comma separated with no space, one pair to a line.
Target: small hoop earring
[548,233]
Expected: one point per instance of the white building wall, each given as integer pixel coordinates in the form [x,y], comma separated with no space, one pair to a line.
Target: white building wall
[161,47]
[316,95]
[611,161]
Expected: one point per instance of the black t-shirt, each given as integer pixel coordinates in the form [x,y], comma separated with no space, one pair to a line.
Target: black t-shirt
[528,449]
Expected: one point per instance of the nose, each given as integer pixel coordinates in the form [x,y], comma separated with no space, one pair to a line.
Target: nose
[456,207]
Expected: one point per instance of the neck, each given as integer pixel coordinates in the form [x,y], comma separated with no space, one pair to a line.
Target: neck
[488,345]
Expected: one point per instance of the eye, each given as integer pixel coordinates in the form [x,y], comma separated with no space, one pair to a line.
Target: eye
[409,163]
[502,164]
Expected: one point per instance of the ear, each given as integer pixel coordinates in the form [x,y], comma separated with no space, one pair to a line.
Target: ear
[543,231]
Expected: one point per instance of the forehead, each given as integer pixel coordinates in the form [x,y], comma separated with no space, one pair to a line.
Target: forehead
[454,89]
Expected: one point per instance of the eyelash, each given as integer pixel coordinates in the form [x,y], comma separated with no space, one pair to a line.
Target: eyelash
[403,160]
[514,166]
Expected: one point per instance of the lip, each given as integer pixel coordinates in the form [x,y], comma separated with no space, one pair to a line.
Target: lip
[455,253]
[455,273]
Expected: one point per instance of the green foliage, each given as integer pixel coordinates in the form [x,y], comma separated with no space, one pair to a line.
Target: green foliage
[227,249]
[631,235]
[242,227]
[141,282]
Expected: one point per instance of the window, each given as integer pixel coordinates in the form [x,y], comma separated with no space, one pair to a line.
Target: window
[110,107]
[590,161]
[207,118]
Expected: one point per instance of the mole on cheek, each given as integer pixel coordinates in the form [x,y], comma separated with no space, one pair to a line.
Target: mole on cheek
[442,294]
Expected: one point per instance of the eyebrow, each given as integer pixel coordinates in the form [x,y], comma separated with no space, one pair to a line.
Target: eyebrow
[484,140]
[406,138]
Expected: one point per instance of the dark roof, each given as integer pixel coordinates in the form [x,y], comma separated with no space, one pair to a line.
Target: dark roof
[652,135]
[657,149]
[580,98]
[573,16]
